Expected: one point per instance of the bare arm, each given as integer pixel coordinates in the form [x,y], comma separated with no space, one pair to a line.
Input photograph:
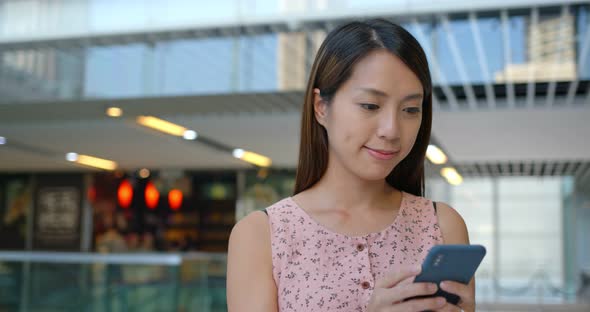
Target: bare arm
[250,283]
[452,226]
[454,231]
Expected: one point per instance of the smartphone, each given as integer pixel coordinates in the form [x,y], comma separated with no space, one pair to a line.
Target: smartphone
[450,263]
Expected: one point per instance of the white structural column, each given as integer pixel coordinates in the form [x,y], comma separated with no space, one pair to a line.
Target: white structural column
[507,57]
[459,63]
[424,40]
[482,60]
[534,33]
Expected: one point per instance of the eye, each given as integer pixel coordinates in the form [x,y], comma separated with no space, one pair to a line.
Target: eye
[413,110]
[369,106]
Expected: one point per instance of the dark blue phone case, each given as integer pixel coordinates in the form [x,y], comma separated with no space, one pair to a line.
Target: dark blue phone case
[450,263]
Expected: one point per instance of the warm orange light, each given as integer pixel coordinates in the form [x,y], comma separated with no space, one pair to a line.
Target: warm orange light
[152,196]
[125,194]
[91,194]
[175,199]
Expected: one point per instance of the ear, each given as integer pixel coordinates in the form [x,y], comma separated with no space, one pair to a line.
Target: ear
[320,107]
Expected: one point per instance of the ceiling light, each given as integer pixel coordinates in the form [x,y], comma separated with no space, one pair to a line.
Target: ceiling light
[238,153]
[91,161]
[161,125]
[144,173]
[114,112]
[436,155]
[190,135]
[253,158]
[72,156]
[452,176]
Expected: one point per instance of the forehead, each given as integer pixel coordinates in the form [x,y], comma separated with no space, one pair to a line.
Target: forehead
[384,71]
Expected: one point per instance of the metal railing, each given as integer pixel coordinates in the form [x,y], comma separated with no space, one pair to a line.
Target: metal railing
[57,281]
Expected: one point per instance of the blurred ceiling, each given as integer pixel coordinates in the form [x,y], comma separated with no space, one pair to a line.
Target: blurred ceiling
[533,141]
[502,125]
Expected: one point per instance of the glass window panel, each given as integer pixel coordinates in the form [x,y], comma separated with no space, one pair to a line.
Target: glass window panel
[583,27]
[530,229]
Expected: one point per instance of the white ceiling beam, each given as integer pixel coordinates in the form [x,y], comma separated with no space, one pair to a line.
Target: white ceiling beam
[425,42]
[581,169]
[560,167]
[549,166]
[583,173]
[527,168]
[538,166]
[473,170]
[459,62]
[568,167]
[479,169]
[482,60]
[558,56]
[530,90]
[516,169]
[582,59]
[505,168]
[494,169]
[507,56]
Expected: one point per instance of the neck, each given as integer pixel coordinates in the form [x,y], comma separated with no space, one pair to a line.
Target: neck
[340,188]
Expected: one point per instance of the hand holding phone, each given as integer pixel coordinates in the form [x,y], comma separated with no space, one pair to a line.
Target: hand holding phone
[450,263]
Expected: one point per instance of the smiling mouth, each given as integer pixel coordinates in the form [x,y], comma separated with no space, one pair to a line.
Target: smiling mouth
[382,154]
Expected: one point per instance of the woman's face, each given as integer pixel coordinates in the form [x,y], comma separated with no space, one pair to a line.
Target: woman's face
[374,117]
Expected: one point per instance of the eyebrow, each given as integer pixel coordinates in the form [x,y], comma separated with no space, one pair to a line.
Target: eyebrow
[379,93]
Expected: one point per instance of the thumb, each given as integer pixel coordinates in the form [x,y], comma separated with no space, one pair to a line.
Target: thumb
[393,278]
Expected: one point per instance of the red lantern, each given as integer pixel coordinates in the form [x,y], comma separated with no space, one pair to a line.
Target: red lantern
[175,199]
[91,194]
[125,194]
[152,196]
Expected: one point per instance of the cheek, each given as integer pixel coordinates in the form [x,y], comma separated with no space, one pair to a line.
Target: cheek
[347,137]
[340,129]
[410,139]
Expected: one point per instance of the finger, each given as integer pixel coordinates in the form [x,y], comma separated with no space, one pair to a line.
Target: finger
[402,292]
[393,278]
[459,289]
[407,281]
[449,308]
[428,304]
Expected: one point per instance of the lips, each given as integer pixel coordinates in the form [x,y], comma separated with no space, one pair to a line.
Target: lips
[382,154]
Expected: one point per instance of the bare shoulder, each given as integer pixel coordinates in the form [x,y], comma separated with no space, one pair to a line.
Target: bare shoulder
[252,223]
[249,262]
[452,225]
[249,240]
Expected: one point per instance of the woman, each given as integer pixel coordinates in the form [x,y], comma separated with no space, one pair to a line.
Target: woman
[356,230]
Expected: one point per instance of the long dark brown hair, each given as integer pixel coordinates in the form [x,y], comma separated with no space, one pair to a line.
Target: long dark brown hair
[333,65]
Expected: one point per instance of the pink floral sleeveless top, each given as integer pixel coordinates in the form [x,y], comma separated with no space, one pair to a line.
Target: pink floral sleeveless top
[316,269]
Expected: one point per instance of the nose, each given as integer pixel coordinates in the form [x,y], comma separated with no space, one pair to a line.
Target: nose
[389,127]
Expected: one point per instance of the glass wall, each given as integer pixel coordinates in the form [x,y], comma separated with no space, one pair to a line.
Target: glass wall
[543,45]
[520,222]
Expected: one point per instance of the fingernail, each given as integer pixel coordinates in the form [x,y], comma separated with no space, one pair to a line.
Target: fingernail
[417,269]
[441,301]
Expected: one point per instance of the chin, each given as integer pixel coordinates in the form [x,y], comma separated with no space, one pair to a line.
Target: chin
[373,173]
